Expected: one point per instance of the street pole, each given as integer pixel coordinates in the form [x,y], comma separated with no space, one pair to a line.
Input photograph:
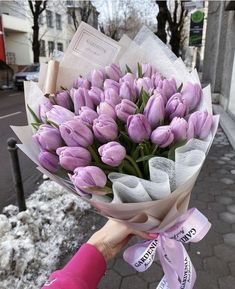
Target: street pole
[16,173]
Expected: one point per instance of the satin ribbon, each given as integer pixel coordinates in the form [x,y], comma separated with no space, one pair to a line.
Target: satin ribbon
[168,247]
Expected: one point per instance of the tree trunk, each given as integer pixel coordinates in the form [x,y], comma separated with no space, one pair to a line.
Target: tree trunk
[36,42]
[175,40]
[161,20]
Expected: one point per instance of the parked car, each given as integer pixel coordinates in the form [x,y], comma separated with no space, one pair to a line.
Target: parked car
[30,72]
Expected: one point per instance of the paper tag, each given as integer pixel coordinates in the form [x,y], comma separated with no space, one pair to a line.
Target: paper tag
[93,45]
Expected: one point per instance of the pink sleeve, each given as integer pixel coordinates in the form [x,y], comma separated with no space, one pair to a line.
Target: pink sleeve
[83,271]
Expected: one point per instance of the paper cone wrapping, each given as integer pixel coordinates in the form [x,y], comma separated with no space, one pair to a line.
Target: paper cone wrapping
[148,205]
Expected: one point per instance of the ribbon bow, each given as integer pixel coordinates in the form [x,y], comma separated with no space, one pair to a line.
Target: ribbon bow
[168,246]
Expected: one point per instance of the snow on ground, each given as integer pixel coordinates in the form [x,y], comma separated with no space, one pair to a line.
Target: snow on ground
[35,242]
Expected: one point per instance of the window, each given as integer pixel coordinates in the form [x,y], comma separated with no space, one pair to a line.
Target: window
[58,21]
[51,47]
[49,17]
[60,46]
[70,19]
[42,48]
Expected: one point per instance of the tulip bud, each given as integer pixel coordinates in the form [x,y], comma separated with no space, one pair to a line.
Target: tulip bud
[199,124]
[76,133]
[111,96]
[73,157]
[156,77]
[138,128]
[192,94]
[113,71]
[59,115]
[124,109]
[96,95]
[129,77]
[147,70]
[63,99]
[88,177]
[48,161]
[112,153]
[81,82]
[97,78]
[109,83]
[179,127]
[47,137]
[144,83]
[43,109]
[176,106]
[167,87]
[82,98]
[87,115]
[128,91]
[155,110]
[162,136]
[105,128]
[106,108]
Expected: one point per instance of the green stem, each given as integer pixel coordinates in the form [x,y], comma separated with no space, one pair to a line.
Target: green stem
[93,154]
[155,149]
[138,172]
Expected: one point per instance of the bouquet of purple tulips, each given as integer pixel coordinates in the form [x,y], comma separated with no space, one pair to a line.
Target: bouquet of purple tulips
[127,128]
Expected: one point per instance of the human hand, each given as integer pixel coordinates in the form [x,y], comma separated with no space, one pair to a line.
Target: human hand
[112,237]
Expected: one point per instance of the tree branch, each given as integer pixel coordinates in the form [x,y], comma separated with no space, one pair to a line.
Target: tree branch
[43,7]
[31,6]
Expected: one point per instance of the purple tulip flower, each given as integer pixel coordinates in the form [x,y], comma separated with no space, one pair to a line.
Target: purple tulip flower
[105,128]
[48,138]
[128,91]
[155,110]
[156,77]
[144,83]
[113,72]
[97,78]
[124,109]
[138,128]
[199,124]
[73,157]
[76,133]
[106,108]
[128,77]
[88,177]
[43,109]
[111,96]
[82,98]
[179,127]
[96,95]
[59,114]
[87,115]
[162,136]
[167,87]
[81,82]
[112,153]
[147,70]
[176,106]
[63,99]
[49,161]
[192,94]
[109,83]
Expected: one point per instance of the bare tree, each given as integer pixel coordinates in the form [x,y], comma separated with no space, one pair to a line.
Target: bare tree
[36,7]
[175,19]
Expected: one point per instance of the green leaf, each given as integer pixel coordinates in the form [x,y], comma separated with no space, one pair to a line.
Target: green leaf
[171,153]
[98,190]
[128,69]
[144,158]
[35,117]
[180,87]
[139,68]
[52,123]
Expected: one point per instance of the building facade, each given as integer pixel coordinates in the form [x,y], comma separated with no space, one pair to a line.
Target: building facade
[219,59]
[57,27]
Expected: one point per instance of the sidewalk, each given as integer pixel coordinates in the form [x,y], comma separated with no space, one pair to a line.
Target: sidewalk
[214,256]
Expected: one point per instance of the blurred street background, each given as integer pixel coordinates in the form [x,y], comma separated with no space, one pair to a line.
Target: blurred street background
[203,34]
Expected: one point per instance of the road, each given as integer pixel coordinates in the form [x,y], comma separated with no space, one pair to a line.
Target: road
[12,112]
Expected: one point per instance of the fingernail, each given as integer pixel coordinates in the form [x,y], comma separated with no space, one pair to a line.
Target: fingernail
[153,235]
